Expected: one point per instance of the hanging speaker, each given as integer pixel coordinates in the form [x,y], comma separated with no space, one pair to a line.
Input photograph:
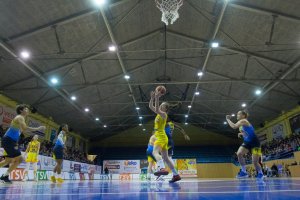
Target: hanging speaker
[262,125]
[33,109]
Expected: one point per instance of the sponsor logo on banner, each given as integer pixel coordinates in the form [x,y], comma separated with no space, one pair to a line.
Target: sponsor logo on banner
[125,177]
[131,166]
[98,169]
[17,174]
[6,115]
[113,161]
[47,163]
[42,175]
[295,124]
[187,167]
[122,166]
[278,131]
[84,168]
[128,163]
[187,172]
[77,167]
[34,123]
[113,166]
[70,164]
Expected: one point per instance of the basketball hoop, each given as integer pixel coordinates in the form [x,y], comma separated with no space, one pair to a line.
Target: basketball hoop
[169,9]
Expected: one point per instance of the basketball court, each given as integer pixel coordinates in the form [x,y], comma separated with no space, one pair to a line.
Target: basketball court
[187,189]
[108,74]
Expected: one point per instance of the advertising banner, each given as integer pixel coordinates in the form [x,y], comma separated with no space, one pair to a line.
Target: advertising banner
[122,166]
[48,163]
[125,177]
[17,174]
[77,167]
[72,176]
[187,167]
[35,123]
[278,131]
[42,175]
[263,136]
[114,166]
[6,115]
[131,167]
[52,135]
[295,124]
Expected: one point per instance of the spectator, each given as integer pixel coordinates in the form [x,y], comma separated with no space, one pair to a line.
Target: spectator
[274,169]
[265,169]
[287,171]
[1,131]
[106,171]
[294,163]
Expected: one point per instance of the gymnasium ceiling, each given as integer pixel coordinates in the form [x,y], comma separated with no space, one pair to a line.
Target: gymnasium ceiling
[69,39]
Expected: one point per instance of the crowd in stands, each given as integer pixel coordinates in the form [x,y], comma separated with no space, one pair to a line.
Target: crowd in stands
[279,170]
[71,153]
[276,148]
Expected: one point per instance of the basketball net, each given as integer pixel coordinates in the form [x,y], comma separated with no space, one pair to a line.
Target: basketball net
[169,9]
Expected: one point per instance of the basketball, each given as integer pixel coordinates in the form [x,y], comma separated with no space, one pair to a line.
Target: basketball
[161,89]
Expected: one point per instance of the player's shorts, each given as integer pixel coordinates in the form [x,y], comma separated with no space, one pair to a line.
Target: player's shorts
[58,152]
[161,140]
[253,147]
[151,159]
[32,158]
[11,148]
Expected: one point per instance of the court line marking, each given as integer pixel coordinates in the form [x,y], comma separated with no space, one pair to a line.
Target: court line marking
[139,181]
[229,186]
[154,183]
[116,186]
[128,193]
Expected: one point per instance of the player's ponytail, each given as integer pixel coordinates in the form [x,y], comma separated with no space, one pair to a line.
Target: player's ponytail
[170,106]
[245,113]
